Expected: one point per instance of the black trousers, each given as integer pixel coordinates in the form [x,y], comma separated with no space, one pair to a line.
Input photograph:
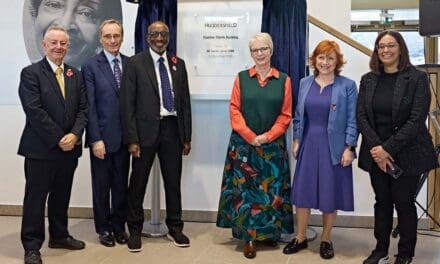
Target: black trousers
[398,193]
[169,150]
[109,186]
[51,180]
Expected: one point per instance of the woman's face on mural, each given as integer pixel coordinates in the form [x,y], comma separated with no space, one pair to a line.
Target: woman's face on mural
[81,19]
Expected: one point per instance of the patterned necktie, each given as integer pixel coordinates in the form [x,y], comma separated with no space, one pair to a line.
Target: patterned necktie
[59,76]
[167,96]
[117,72]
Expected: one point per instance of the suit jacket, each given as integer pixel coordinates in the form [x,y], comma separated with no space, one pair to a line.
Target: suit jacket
[411,144]
[341,128]
[140,101]
[48,115]
[103,98]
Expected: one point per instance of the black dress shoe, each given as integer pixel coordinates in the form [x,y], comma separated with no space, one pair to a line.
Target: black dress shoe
[402,260]
[106,238]
[67,243]
[121,237]
[326,250]
[32,257]
[250,250]
[295,246]
[377,257]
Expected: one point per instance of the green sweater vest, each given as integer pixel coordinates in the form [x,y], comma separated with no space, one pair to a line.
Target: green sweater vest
[261,106]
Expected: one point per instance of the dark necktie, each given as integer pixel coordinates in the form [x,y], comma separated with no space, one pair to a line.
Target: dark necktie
[117,72]
[167,96]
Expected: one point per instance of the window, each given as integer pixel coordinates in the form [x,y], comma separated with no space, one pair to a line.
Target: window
[365,25]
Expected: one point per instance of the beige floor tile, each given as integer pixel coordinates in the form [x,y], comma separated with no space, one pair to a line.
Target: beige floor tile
[209,245]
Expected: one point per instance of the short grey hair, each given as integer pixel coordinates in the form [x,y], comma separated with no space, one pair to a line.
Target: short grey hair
[55,28]
[262,37]
[111,21]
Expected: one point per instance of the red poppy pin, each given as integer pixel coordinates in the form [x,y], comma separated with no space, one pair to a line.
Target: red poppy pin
[69,73]
[174,59]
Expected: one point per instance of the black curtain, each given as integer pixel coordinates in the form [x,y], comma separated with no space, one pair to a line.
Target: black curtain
[150,11]
[286,21]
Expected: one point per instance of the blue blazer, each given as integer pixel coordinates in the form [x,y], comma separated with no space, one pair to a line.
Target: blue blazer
[103,98]
[342,128]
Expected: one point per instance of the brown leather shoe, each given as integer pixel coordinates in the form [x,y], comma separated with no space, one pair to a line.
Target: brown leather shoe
[250,250]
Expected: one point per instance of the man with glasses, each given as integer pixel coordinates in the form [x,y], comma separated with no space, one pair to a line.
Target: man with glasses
[109,158]
[156,115]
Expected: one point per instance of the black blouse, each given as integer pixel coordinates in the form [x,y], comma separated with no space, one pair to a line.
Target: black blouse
[382,105]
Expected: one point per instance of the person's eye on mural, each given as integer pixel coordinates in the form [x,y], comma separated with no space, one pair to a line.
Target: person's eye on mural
[53,5]
[88,15]
[80,18]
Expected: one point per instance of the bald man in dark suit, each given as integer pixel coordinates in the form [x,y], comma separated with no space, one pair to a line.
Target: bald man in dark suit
[156,114]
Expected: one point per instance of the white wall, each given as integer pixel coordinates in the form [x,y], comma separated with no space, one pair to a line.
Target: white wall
[203,168]
[334,13]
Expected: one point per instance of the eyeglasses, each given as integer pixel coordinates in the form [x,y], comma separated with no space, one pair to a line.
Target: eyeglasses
[156,34]
[389,46]
[263,49]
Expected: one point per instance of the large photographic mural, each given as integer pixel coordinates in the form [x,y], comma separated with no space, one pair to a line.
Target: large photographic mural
[81,18]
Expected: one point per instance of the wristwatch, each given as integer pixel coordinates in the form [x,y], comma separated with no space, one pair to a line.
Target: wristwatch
[352,148]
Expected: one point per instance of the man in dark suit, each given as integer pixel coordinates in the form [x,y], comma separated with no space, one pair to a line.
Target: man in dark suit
[156,113]
[54,100]
[108,156]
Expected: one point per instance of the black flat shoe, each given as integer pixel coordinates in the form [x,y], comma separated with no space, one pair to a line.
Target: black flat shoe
[295,246]
[326,250]
[106,238]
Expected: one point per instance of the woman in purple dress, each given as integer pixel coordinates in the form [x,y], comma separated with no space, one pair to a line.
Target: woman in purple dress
[325,135]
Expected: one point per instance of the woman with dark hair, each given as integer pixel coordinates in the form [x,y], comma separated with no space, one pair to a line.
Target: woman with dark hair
[325,134]
[392,107]
[80,18]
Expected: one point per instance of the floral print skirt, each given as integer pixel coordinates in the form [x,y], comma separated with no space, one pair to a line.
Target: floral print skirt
[255,191]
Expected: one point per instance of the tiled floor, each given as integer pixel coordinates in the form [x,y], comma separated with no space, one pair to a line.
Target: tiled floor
[209,245]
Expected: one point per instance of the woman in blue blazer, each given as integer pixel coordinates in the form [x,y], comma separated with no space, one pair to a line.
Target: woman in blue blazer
[325,134]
